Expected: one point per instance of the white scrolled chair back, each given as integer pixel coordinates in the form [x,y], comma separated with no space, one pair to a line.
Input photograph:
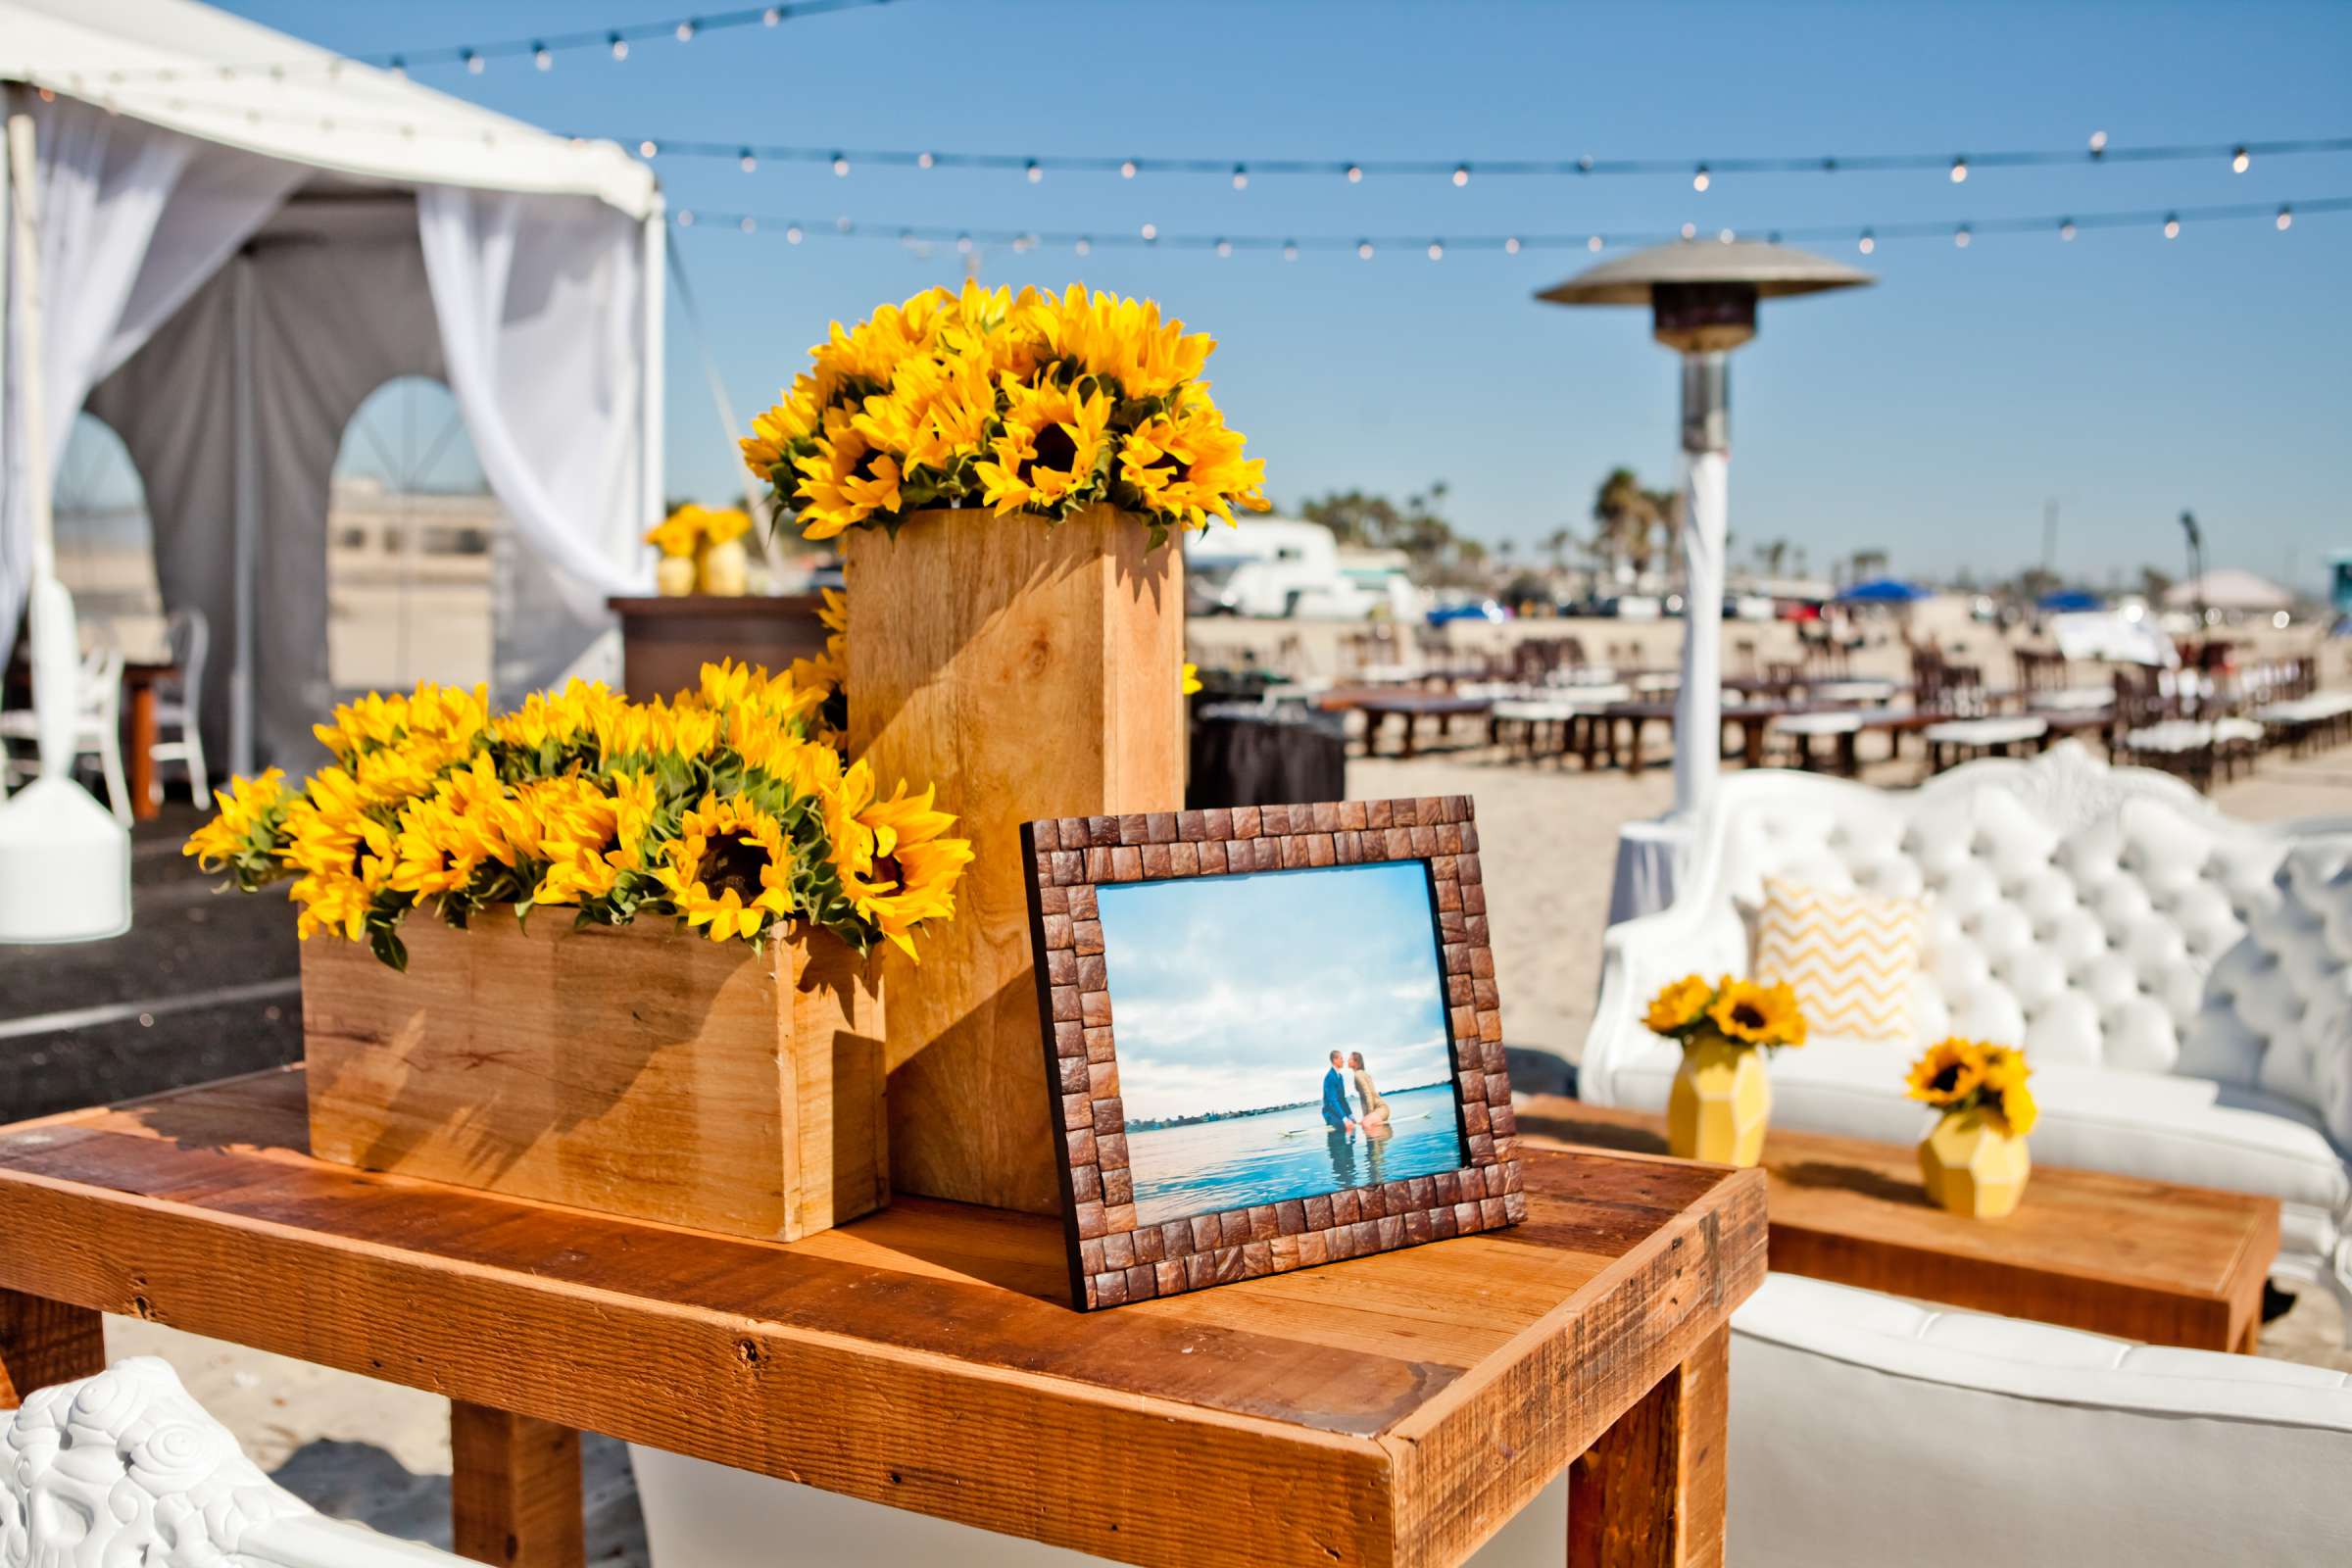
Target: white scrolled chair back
[126,1470]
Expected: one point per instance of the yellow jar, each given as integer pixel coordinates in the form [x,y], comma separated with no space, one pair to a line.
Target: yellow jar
[1973,1165]
[673,576]
[1720,1103]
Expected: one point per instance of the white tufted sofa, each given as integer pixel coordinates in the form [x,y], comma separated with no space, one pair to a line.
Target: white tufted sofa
[2181,981]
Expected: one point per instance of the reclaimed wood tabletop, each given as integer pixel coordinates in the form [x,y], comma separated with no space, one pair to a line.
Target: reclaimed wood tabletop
[2145,1260]
[1391,1410]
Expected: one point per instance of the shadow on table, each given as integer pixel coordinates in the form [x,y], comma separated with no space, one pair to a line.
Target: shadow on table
[1853,1179]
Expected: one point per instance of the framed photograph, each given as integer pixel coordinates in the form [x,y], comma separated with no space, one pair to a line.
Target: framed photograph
[1272,1037]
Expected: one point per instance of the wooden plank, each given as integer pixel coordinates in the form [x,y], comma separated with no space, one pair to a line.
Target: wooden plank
[629,1070]
[45,1342]
[1652,1493]
[1030,672]
[514,1490]
[2116,1254]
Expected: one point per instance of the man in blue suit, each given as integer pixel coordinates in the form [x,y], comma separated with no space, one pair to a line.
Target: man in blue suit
[1336,1115]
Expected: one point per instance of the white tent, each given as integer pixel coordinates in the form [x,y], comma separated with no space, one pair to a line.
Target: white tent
[2227,588]
[238,238]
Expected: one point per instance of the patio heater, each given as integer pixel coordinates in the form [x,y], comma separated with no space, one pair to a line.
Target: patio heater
[1702,296]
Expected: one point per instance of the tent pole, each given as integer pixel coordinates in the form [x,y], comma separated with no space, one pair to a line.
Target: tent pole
[656,291]
[32,392]
[241,740]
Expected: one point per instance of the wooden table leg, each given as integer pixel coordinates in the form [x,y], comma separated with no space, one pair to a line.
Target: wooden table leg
[1632,744]
[1650,1493]
[514,1490]
[1412,727]
[139,762]
[44,1343]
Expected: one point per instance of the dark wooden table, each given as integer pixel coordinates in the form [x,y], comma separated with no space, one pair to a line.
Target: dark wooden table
[664,642]
[1390,1410]
[1378,706]
[1754,718]
[2114,1255]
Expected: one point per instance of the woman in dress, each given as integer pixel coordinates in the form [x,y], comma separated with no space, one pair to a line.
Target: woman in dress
[1372,1111]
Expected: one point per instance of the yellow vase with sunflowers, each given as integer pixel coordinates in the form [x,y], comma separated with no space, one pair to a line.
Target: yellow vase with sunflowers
[1975,1162]
[1721,1102]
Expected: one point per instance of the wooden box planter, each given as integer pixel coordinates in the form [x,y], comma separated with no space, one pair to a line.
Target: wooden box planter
[631,1070]
[1035,672]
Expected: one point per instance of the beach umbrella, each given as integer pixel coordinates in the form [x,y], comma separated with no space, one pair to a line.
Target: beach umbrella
[1885,591]
[1702,296]
[2067,600]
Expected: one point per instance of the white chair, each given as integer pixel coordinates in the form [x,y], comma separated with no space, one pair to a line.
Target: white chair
[97,728]
[125,1468]
[189,635]
[1870,1430]
[2182,982]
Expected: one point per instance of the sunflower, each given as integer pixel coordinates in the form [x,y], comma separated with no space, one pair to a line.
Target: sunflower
[797,416]
[2015,1106]
[1053,444]
[841,479]
[908,870]
[729,870]
[245,829]
[677,534]
[1680,1006]
[1949,1073]
[1749,1014]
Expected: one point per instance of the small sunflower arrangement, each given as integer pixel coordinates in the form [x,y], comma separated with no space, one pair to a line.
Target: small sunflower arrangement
[1009,404]
[1738,1012]
[729,808]
[1957,1075]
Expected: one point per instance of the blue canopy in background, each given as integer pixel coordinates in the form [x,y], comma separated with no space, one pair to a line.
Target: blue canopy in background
[2067,600]
[1884,590]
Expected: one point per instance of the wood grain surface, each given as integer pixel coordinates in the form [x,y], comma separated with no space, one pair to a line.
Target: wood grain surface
[514,1490]
[1652,1490]
[2143,1261]
[43,1343]
[1028,672]
[631,1070]
[1394,1409]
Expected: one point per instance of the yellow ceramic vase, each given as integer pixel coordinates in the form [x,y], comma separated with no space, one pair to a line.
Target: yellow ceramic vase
[726,570]
[1973,1167]
[673,576]
[1720,1103]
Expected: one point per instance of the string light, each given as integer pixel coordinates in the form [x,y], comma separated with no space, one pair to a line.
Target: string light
[1962,235]
[791,235]
[542,57]
[2066,228]
[1241,177]
[963,244]
[686,32]
[1224,247]
[1462,175]
[2098,143]
[1959,171]
[685,217]
[1436,249]
[473,63]
[620,47]
[1689,232]
[1085,246]
[771,16]
[1290,250]
[2239,160]
[1151,232]
[1355,173]
[1724,236]
[1127,170]
[749,225]
[2172,226]
[647,149]
[1593,244]
[1510,247]
[1035,174]
[841,167]
[750,162]
[923,160]
[2286,218]
[1363,250]
[1701,181]
[1868,243]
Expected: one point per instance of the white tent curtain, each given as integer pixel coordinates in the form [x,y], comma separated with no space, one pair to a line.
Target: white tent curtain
[541,303]
[132,220]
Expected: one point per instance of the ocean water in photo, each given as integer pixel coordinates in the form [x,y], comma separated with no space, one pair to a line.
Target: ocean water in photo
[1274,1154]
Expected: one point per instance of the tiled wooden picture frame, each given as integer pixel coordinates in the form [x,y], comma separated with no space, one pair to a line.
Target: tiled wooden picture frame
[1112,1259]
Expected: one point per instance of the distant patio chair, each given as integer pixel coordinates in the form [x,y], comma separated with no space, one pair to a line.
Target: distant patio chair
[188,634]
[97,728]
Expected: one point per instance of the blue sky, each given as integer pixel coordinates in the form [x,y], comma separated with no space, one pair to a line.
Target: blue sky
[2125,375]
[1229,993]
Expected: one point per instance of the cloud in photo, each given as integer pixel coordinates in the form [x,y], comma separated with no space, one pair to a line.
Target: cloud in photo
[1229,993]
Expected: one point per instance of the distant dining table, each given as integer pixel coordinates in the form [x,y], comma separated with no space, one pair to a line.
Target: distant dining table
[139,682]
[1378,705]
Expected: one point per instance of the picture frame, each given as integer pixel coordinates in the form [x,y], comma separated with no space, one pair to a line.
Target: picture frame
[1119,1252]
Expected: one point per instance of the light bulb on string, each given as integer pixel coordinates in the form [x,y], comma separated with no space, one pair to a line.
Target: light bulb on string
[749,162]
[1462,175]
[1593,244]
[1224,247]
[841,167]
[963,244]
[620,45]
[543,57]
[1290,250]
[1868,243]
[1127,169]
[1151,232]
[1355,173]
[1959,171]
[1689,232]
[1363,250]
[2098,144]
[1702,179]
[791,234]
[2286,218]
[648,149]
[685,217]
[924,159]
[2238,161]
[842,224]
[1962,235]
[1510,247]
[473,62]
[1436,249]
[686,32]
[2172,226]
[770,17]
[1034,171]
[2066,228]
[1241,177]
[1723,236]
[1085,246]
[399,68]
[749,225]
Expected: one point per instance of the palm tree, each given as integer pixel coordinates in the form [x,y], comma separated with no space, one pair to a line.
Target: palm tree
[1621,511]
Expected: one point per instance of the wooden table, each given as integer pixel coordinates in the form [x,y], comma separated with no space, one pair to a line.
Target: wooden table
[664,642]
[1393,1409]
[1411,707]
[2140,1260]
[1754,718]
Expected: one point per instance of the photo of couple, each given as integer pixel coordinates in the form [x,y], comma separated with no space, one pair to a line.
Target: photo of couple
[1253,1013]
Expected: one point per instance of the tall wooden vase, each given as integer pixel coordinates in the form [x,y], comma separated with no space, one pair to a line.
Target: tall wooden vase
[1031,672]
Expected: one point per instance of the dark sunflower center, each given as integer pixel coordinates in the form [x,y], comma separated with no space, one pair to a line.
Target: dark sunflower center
[733,863]
[1946,1077]
[888,869]
[1748,1015]
[1055,450]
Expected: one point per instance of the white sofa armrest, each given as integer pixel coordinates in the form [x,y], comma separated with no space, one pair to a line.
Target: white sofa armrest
[1637,958]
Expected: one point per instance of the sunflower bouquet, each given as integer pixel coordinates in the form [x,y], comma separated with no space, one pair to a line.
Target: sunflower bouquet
[1736,1012]
[1959,1075]
[1010,403]
[725,809]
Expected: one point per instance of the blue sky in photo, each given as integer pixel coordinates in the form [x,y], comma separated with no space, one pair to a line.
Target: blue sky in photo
[2122,374]
[1228,992]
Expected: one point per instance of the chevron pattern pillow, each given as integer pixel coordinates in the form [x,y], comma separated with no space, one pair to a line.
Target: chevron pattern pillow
[1849,956]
